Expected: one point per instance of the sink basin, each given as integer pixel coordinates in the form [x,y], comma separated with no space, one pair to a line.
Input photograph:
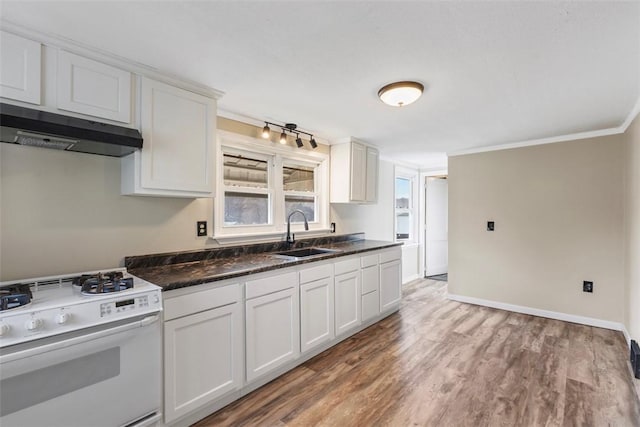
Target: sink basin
[304,253]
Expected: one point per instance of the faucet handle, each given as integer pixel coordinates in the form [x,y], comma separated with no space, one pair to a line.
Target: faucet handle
[293,238]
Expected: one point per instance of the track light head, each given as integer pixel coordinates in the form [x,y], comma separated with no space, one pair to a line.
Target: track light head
[298,141]
[313,143]
[283,137]
[266,132]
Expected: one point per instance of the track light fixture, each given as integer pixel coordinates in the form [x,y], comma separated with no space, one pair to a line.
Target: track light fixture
[291,128]
[266,132]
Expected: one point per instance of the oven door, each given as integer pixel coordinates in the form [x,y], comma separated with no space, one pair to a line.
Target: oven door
[103,376]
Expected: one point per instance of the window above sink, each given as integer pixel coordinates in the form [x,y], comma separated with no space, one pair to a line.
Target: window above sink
[260,183]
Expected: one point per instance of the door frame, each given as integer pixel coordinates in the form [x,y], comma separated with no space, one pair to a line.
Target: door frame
[422,195]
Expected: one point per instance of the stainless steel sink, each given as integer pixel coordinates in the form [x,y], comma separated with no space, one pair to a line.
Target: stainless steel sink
[304,253]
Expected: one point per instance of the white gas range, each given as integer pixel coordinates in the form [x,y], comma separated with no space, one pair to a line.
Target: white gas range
[69,342]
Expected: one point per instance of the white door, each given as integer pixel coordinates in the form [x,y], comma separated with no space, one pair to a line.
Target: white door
[90,87]
[372,175]
[436,226]
[390,285]
[20,68]
[347,301]
[273,331]
[358,172]
[178,128]
[316,313]
[202,359]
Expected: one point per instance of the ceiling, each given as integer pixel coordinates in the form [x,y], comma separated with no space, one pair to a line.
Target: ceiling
[495,72]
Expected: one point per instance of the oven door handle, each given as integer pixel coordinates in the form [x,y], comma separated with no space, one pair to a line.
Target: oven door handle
[43,348]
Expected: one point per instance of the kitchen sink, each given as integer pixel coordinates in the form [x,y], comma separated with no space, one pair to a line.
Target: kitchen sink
[304,253]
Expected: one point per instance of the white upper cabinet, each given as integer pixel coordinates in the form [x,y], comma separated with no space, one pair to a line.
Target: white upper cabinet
[356,164]
[178,131]
[90,87]
[20,68]
[371,187]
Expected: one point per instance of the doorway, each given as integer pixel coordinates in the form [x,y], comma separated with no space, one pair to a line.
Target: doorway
[436,227]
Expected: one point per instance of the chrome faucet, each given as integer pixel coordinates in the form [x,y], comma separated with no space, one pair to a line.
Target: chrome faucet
[291,238]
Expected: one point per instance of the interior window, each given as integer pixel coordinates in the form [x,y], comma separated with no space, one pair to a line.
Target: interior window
[247,193]
[299,185]
[403,209]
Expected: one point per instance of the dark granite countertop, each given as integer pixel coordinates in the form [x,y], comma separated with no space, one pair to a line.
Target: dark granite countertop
[207,266]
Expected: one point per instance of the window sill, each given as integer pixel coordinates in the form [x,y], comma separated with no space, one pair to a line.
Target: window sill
[235,239]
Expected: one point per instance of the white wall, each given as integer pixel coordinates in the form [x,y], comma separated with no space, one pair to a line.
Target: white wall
[376,219]
[558,212]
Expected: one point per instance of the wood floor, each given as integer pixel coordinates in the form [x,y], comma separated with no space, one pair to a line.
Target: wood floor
[444,363]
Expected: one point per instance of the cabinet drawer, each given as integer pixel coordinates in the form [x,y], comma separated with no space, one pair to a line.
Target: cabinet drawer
[200,300]
[347,266]
[315,273]
[391,255]
[269,285]
[369,260]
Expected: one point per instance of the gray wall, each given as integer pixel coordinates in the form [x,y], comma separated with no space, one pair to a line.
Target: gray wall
[558,212]
[632,229]
[62,212]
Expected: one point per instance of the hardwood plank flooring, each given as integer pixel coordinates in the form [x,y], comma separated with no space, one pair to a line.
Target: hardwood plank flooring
[442,363]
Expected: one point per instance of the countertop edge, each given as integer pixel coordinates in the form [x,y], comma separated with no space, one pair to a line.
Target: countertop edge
[255,270]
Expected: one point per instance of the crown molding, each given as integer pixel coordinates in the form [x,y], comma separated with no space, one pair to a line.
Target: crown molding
[569,137]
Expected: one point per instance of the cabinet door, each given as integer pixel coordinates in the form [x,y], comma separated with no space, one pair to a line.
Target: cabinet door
[90,87]
[372,175]
[273,331]
[316,313]
[178,128]
[20,68]
[347,301]
[370,305]
[358,171]
[390,285]
[202,359]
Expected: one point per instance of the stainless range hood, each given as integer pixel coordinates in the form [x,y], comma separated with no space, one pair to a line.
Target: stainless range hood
[26,126]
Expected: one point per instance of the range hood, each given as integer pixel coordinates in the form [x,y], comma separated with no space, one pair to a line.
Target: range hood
[26,126]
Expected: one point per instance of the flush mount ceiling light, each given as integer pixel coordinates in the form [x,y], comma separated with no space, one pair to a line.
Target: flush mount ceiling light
[291,128]
[399,94]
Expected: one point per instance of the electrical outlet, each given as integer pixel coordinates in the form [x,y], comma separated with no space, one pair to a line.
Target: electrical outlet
[202,228]
[587,286]
[333,227]
[491,225]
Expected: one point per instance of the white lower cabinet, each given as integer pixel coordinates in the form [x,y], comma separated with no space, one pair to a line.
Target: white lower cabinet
[316,313]
[347,301]
[390,285]
[203,359]
[273,331]
[286,318]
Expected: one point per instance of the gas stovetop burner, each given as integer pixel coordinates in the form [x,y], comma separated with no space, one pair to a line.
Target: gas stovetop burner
[103,283]
[15,296]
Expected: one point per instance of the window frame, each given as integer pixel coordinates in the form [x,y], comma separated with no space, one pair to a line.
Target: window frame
[414,229]
[228,142]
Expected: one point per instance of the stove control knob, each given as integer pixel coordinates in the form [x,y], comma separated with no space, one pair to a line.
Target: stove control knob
[156,299]
[62,318]
[33,324]
[4,329]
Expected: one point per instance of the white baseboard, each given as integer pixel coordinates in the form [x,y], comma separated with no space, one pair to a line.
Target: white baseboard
[626,336]
[589,321]
[411,279]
